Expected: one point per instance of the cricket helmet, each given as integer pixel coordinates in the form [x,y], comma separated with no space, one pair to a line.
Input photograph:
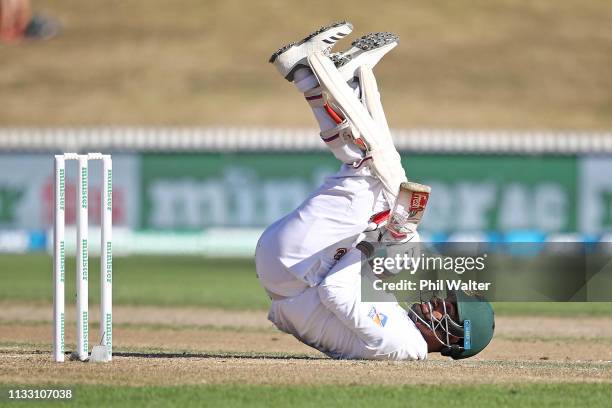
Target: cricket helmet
[474,324]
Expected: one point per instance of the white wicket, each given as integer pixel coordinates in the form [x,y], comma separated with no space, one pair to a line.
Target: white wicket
[106,257]
[82,256]
[59,259]
[82,270]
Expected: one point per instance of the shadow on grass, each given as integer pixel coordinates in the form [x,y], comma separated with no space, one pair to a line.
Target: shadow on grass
[186,354]
[258,356]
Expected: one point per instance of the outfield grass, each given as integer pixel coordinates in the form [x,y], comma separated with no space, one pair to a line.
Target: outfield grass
[159,281]
[540,396]
[193,281]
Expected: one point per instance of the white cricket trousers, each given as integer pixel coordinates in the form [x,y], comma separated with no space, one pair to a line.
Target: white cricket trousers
[309,266]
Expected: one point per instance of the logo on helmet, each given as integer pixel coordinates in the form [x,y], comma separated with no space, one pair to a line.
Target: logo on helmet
[467,334]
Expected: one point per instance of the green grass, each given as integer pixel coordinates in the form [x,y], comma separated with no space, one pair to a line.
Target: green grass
[158,281]
[540,396]
[193,281]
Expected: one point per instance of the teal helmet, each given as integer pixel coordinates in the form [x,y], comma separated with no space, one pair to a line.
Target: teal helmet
[474,324]
[476,317]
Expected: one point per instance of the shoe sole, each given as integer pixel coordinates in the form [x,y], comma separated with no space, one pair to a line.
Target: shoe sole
[367,42]
[309,37]
[374,40]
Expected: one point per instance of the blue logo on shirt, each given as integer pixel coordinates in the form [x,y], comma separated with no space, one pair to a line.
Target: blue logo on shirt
[379,318]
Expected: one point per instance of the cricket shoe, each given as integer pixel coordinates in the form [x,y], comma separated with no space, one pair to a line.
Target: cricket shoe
[292,56]
[366,50]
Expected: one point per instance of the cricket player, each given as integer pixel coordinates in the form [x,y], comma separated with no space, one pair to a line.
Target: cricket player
[309,262]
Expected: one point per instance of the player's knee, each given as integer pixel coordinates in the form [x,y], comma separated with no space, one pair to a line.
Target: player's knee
[260,248]
[266,259]
[267,244]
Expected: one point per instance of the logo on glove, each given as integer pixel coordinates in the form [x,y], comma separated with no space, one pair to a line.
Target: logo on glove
[419,201]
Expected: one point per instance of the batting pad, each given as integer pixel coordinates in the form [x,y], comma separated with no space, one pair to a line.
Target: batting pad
[386,161]
[370,97]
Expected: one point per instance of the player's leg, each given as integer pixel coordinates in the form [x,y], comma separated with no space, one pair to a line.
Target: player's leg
[291,62]
[386,161]
[337,132]
[310,240]
[298,250]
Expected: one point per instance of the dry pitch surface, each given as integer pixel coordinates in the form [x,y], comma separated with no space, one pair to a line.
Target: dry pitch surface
[173,346]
